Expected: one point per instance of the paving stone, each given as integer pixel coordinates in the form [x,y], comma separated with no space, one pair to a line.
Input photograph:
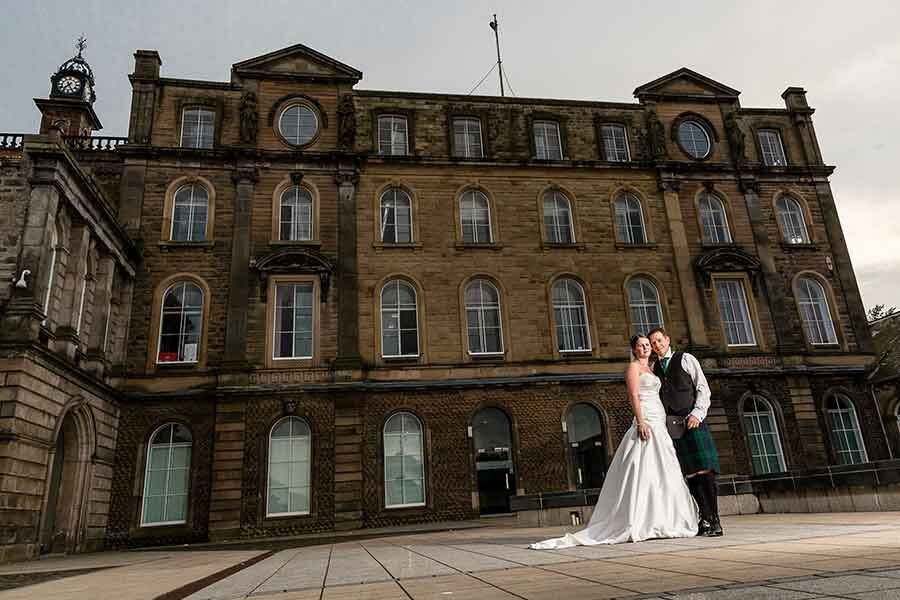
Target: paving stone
[305,569]
[402,563]
[746,593]
[843,584]
[455,587]
[352,564]
[461,560]
[245,581]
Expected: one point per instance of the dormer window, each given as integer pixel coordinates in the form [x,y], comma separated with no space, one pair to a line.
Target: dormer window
[467,138]
[197,128]
[615,142]
[393,135]
[547,142]
[771,147]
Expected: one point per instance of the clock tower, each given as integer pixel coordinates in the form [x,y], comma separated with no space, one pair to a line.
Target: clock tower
[70,106]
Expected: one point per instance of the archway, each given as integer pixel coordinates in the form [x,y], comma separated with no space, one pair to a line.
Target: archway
[492,440]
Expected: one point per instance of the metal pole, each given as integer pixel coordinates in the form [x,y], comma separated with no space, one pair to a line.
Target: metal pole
[496,29]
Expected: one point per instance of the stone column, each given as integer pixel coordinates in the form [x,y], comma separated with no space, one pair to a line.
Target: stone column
[97,337]
[227,469]
[809,433]
[239,286]
[788,336]
[686,280]
[66,335]
[348,357]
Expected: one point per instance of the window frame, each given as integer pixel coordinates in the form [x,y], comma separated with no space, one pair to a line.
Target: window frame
[271,306]
[213,119]
[660,304]
[774,433]
[545,238]
[55,248]
[422,450]
[378,221]
[500,316]
[803,212]
[456,153]
[830,308]
[843,397]
[282,188]
[201,336]
[693,119]
[604,150]
[168,221]
[628,195]
[701,197]
[586,312]
[187,495]
[309,466]
[462,226]
[392,115]
[380,306]
[544,121]
[300,103]
[750,307]
[760,132]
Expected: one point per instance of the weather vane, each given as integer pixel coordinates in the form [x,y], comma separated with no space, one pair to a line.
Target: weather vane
[81,44]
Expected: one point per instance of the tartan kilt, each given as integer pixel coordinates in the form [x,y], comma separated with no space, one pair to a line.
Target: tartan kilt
[696,451]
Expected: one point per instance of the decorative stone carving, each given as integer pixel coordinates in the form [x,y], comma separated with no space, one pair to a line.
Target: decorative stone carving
[293,261]
[346,123]
[729,259]
[655,140]
[736,139]
[249,118]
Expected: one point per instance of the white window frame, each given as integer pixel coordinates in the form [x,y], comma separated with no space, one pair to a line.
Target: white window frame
[398,310]
[480,310]
[743,308]
[300,106]
[691,148]
[611,147]
[296,221]
[192,204]
[792,219]
[312,319]
[392,145]
[624,217]
[756,417]
[308,461]
[199,137]
[181,334]
[772,148]
[846,407]
[471,125]
[565,310]
[555,196]
[709,206]
[541,129]
[474,196]
[396,193]
[171,445]
[818,302]
[643,283]
[403,436]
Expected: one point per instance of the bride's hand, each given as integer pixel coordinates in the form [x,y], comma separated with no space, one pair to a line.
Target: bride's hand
[644,431]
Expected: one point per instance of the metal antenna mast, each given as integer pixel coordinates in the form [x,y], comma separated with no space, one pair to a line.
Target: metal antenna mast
[496,28]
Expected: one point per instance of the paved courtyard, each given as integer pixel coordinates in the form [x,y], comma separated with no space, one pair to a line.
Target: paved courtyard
[849,555]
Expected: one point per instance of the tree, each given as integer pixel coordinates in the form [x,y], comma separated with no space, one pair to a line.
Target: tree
[879,311]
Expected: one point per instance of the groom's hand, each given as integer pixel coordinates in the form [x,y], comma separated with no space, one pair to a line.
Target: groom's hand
[693,422]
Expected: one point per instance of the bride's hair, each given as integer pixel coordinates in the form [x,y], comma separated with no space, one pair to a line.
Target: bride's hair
[634,342]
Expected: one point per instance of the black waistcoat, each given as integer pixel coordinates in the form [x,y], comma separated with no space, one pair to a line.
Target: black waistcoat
[677,392]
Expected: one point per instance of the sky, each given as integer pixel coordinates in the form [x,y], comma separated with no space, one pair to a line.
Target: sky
[846,55]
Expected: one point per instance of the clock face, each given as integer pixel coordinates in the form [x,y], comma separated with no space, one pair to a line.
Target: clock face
[68,84]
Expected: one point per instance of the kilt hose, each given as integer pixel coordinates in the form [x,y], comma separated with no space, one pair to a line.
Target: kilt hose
[696,451]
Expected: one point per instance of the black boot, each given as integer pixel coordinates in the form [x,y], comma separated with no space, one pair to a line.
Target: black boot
[711,491]
[703,525]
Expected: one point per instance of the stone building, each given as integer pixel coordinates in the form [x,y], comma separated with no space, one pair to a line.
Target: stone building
[311,307]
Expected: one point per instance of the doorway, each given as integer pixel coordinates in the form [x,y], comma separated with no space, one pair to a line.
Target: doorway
[492,438]
[587,450]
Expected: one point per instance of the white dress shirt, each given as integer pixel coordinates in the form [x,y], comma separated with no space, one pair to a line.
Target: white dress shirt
[691,366]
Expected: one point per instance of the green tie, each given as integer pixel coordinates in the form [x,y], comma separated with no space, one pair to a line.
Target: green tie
[665,363]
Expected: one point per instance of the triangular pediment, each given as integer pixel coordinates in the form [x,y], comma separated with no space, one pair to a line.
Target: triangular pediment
[297,62]
[686,83]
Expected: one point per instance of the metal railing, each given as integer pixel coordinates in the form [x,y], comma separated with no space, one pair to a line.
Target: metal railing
[95,143]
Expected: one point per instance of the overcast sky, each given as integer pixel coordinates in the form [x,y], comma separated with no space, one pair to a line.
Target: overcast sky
[846,54]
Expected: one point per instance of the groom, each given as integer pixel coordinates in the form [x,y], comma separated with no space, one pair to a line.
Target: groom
[685,393]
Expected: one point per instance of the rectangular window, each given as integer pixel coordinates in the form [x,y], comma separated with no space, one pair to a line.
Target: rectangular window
[393,135]
[615,142]
[467,138]
[735,313]
[293,330]
[772,149]
[547,144]
[197,128]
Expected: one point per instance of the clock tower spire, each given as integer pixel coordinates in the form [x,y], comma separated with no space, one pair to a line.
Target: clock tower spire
[70,106]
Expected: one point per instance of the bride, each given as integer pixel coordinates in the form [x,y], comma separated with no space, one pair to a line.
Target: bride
[644,495]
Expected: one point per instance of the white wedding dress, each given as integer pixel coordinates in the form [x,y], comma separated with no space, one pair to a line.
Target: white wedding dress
[644,495]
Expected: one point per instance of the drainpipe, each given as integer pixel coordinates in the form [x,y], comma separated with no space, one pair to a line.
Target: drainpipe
[881,421]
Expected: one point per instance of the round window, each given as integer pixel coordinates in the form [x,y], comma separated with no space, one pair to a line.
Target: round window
[693,139]
[298,124]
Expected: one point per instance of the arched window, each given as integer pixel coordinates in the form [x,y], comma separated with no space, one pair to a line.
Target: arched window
[298,124]
[485,332]
[558,225]
[399,320]
[630,220]
[404,470]
[570,316]
[167,475]
[189,213]
[714,220]
[793,223]
[814,311]
[846,437]
[584,428]
[475,218]
[296,220]
[643,302]
[287,492]
[396,217]
[181,323]
[51,271]
[762,435]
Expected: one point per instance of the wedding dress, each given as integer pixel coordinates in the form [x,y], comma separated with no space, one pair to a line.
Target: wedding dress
[644,495]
